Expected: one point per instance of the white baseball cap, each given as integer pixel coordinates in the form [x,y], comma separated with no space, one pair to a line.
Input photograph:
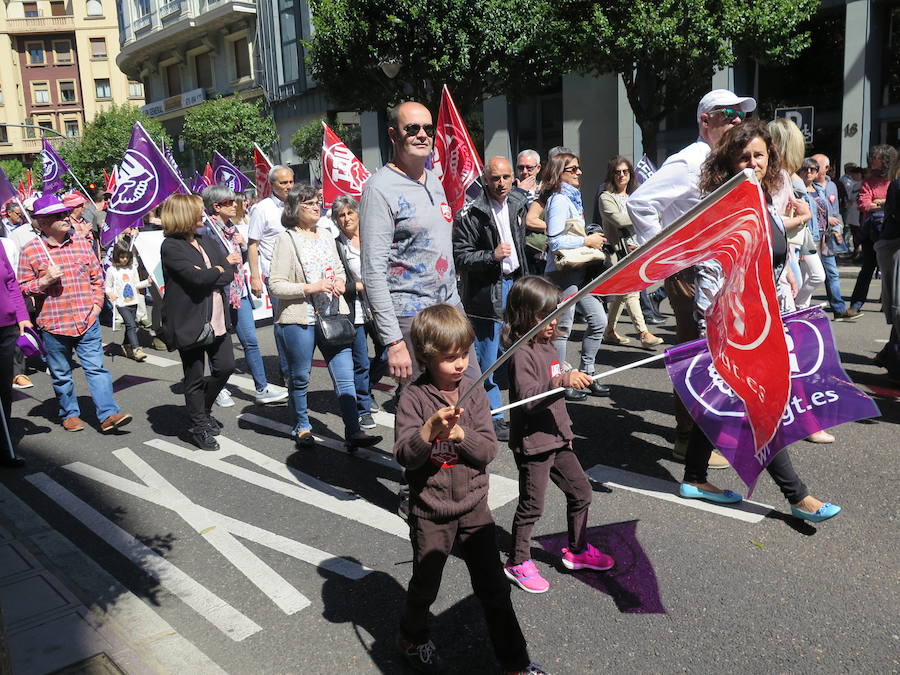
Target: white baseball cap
[723,98]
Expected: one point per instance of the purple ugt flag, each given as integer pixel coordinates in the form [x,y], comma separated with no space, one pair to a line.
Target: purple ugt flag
[170,158]
[226,173]
[144,180]
[54,168]
[7,191]
[644,169]
[822,395]
[198,184]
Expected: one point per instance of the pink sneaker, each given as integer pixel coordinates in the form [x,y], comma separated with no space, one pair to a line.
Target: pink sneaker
[526,576]
[589,559]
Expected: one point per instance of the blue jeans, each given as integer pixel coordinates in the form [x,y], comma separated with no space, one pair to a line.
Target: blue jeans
[833,284]
[594,315]
[245,327]
[361,371]
[300,343]
[487,348]
[278,334]
[89,348]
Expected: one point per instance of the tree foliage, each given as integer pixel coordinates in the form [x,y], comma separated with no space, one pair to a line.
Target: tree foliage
[489,47]
[231,126]
[14,170]
[307,140]
[667,50]
[104,141]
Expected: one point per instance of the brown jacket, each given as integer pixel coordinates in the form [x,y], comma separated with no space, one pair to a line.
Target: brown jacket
[542,425]
[446,480]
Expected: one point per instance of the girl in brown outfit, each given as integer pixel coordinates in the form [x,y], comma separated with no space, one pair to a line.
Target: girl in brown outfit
[541,436]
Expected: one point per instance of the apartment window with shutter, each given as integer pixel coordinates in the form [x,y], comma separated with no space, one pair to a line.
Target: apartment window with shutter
[40,93]
[241,58]
[63,51]
[98,48]
[30,9]
[67,93]
[102,88]
[58,9]
[35,52]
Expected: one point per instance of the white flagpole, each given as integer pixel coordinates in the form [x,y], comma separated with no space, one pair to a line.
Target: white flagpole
[596,377]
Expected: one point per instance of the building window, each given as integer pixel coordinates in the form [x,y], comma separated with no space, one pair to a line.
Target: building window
[72,128]
[290,61]
[67,93]
[30,9]
[63,51]
[241,58]
[135,89]
[173,80]
[1,97]
[102,88]
[142,7]
[40,93]
[57,8]
[29,127]
[94,8]
[46,122]
[35,52]
[98,48]
[203,66]
[4,139]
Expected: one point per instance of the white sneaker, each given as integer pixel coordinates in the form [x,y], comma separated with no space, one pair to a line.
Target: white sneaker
[224,400]
[269,395]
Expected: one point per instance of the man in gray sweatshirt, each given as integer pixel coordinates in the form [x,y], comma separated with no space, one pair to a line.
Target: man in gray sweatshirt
[406,228]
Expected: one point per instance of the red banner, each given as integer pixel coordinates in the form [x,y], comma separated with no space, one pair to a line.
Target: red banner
[261,166]
[456,161]
[342,172]
[743,324]
[208,174]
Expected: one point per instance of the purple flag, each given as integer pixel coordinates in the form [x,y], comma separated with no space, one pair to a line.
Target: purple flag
[226,173]
[644,169]
[822,395]
[170,158]
[7,191]
[54,168]
[198,184]
[144,180]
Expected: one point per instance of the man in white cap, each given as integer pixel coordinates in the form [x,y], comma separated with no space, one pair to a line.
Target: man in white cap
[667,195]
[63,276]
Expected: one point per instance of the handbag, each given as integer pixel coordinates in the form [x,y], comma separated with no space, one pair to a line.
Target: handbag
[573,258]
[207,334]
[332,330]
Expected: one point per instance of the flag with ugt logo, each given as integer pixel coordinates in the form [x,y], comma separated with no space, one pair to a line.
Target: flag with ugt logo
[821,396]
[227,174]
[456,161]
[144,180]
[261,168]
[54,169]
[744,330]
[342,172]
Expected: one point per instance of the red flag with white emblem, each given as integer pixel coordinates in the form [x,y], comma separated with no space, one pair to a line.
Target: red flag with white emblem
[342,172]
[456,161]
[261,166]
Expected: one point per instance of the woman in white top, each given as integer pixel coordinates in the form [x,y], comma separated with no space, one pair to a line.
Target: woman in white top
[621,182]
[560,192]
[307,277]
[345,213]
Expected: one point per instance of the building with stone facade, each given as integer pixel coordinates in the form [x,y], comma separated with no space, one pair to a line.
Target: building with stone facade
[57,69]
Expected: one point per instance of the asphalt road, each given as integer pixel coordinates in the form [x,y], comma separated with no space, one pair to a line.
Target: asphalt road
[272,561]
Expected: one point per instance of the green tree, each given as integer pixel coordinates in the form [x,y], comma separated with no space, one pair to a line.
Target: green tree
[229,125]
[667,50]
[486,48]
[14,170]
[307,140]
[104,142]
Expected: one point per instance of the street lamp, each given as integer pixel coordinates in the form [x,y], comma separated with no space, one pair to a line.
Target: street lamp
[34,126]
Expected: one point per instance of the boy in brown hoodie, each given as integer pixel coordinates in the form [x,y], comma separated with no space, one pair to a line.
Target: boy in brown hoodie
[445,451]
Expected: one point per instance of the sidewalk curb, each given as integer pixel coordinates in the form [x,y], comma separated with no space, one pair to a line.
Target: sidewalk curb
[135,637]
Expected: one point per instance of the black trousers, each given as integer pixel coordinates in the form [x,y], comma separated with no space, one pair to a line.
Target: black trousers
[864,278]
[432,542]
[8,337]
[781,469]
[200,391]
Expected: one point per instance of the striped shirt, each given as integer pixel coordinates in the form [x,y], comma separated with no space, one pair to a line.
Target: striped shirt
[67,303]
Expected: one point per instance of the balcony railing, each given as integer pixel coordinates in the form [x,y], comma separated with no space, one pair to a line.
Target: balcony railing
[46,24]
[170,8]
[142,23]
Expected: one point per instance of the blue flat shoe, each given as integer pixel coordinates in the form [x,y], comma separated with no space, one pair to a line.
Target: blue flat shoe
[826,511]
[727,497]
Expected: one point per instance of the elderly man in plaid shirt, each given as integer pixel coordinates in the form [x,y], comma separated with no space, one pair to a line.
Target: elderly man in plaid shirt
[63,276]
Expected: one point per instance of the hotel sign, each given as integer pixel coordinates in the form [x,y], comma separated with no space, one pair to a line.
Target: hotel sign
[183,100]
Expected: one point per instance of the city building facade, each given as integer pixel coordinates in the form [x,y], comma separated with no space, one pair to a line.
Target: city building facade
[57,70]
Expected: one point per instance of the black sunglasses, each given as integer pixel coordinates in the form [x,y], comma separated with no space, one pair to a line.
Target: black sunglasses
[526,167]
[731,113]
[413,129]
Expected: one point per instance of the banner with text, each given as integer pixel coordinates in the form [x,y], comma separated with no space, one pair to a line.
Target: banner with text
[342,172]
[456,161]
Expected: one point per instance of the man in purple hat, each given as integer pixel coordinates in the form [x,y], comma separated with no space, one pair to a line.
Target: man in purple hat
[63,276]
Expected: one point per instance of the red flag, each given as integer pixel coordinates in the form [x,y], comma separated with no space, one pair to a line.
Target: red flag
[208,174]
[109,180]
[262,166]
[29,189]
[456,161]
[342,172]
[23,194]
[743,324]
